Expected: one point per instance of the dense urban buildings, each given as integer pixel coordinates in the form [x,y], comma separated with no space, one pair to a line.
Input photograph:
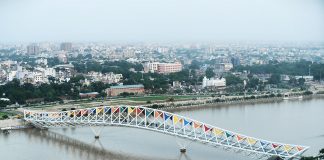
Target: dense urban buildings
[164,68]
[66,46]
[33,49]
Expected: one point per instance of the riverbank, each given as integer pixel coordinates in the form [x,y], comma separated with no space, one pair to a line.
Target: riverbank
[233,102]
[11,123]
[174,104]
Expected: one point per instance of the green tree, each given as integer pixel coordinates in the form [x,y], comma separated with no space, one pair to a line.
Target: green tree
[194,64]
[98,86]
[321,151]
[292,81]
[209,73]
[301,81]
[232,80]
[274,79]
[5,116]
[253,83]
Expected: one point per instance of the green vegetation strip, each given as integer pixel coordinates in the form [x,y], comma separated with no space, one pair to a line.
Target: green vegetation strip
[154,98]
[5,115]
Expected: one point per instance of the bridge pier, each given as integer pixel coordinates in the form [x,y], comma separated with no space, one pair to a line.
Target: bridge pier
[182,145]
[183,150]
[96,131]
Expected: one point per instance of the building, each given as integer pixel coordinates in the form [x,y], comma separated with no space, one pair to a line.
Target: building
[212,82]
[165,68]
[62,57]
[66,46]
[162,68]
[32,49]
[227,66]
[38,77]
[41,61]
[117,90]
[151,67]
[307,78]
[176,84]
[105,78]
[222,67]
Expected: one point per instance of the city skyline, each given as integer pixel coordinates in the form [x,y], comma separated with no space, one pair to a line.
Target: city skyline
[161,21]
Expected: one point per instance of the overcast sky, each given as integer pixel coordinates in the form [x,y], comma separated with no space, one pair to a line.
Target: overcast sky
[161,20]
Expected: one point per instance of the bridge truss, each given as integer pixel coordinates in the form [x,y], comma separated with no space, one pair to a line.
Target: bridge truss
[168,123]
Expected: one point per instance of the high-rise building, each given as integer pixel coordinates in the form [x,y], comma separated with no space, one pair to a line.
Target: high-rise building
[66,46]
[32,49]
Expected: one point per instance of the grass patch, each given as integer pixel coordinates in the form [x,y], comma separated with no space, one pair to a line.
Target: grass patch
[161,98]
[5,115]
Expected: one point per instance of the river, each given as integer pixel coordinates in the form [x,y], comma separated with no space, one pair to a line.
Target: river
[296,122]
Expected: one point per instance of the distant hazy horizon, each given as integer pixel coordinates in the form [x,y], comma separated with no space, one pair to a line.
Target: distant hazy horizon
[161,20]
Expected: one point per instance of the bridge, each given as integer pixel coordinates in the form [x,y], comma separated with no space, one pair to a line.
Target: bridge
[167,123]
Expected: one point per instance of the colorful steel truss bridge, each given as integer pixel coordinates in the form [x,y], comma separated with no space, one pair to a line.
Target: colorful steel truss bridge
[168,123]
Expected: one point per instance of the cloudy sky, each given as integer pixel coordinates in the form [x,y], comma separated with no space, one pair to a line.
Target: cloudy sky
[161,20]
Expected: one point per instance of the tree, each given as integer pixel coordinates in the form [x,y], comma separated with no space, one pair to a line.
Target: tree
[4,103]
[232,80]
[209,73]
[274,79]
[253,83]
[171,99]
[98,86]
[76,79]
[5,116]
[292,81]
[194,65]
[51,79]
[321,151]
[301,81]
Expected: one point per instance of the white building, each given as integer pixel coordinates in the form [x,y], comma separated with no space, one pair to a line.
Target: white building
[11,75]
[41,61]
[106,78]
[113,78]
[38,77]
[50,72]
[212,82]
[307,78]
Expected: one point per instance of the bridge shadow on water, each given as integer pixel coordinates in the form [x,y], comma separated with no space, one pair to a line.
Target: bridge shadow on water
[79,150]
[184,156]
[75,149]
